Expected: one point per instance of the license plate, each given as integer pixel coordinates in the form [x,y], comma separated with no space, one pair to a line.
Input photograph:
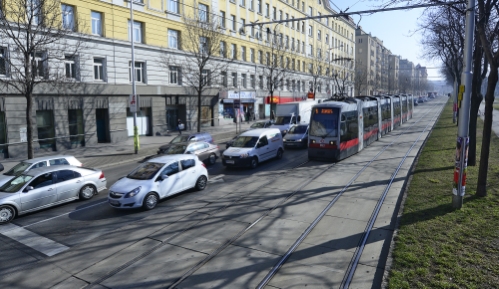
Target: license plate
[229,161]
[113,202]
[322,145]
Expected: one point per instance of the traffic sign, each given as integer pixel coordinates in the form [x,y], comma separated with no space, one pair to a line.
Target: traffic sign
[133,103]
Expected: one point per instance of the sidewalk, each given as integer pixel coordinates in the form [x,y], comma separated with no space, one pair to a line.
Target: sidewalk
[105,155]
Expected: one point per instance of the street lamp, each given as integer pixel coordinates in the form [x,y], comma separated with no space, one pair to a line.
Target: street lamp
[136,141]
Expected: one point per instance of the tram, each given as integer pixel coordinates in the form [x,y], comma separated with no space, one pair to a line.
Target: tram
[341,128]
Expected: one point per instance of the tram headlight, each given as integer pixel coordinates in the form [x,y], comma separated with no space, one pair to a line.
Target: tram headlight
[312,141]
[331,143]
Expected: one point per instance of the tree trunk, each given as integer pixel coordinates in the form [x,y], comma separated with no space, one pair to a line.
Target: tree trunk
[29,123]
[481,189]
[476,99]
[199,110]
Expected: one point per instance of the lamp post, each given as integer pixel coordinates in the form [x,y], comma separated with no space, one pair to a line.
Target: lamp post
[136,141]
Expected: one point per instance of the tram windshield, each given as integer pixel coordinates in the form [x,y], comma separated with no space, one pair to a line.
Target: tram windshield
[324,122]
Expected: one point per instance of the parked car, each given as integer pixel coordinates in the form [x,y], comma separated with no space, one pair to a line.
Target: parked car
[157,179]
[45,187]
[297,136]
[256,125]
[182,138]
[253,147]
[40,162]
[206,152]
[415,101]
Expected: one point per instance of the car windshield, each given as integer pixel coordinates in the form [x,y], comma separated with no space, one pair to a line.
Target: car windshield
[258,125]
[19,168]
[146,171]
[281,120]
[245,142]
[15,184]
[180,138]
[298,129]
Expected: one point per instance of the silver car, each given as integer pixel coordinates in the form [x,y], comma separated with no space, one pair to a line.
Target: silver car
[40,162]
[297,136]
[46,187]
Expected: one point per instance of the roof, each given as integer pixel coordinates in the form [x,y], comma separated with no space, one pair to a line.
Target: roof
[259,131]
[43,170]
[46,158]
[169,158]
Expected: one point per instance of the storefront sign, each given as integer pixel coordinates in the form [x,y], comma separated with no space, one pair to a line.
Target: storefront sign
[240,94]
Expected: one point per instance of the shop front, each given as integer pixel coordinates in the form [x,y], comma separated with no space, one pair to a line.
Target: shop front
[236,105]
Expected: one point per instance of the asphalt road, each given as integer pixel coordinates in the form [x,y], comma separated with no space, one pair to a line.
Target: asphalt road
[83,221]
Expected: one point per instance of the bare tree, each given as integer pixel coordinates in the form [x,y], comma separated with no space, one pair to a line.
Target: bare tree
[320,59]
[274,67]
[343,78]
[360,81]
[204,42]
[37,33]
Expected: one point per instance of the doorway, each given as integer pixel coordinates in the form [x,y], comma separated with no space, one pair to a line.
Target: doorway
[102,119]
[172,118]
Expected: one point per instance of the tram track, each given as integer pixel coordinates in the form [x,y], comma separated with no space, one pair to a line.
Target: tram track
[359,249]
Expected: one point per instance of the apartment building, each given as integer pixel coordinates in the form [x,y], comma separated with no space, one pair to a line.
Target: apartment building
[90,102]
[393,73]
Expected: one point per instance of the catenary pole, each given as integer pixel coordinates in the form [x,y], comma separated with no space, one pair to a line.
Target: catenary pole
[464,104]
[136,143]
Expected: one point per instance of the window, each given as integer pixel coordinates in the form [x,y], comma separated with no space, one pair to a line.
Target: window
[267,58]
[99,69]
[260,56]
[234,79]
[46,128]
[252,81]
[243,80]
[139,71]
[251,5]
[96,23]
[233,22]
[223,49]
[39,63]
[310,49]
[175,75]
[327,39]
[274,13]
[34,12]
[252,55]
[203,13]
[224,78]
[243,22]
[70,66]
[186,164]
[205,77]
[173,39]
[173,6]
[303,6]
[259,6]
[59,162]
[318,34]
[303,27]
[242,3]
[222,19]
[310,30]
[298,46]
[310,11]
[42,181]
[260,81]
[233,51]
[292,22]
[243,53]
[171,169]
[137,31]
[267,10]
[76,131]
[66,175]
[68,20]
[3,61]
[203,45]
[280,14]
[293,64]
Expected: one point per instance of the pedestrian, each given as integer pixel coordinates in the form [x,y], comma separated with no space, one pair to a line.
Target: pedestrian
[180,126]
[248,116]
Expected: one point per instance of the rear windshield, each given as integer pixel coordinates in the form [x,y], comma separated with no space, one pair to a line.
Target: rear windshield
[176,149]
[245,141]
[258,125]
[282,120]
[19,168]
[180,138]
[15,184]
[298,129]
[145,171]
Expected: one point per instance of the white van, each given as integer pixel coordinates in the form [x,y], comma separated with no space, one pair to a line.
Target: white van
[254,146]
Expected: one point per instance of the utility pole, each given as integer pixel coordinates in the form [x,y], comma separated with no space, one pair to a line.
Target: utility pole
[464,103]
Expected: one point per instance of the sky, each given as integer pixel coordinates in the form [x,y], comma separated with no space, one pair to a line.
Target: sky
[395,29]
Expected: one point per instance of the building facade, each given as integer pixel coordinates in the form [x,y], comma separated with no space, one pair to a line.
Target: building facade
[90,102]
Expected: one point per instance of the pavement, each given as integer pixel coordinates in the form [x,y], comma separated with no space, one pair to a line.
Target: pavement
[104,155]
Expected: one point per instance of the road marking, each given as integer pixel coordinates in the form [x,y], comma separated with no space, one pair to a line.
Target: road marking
[32,240]
[216,179]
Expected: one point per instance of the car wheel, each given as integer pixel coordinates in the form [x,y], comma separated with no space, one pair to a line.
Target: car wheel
[201,183]
[87,192]
[212,159]
[254,162]
[279,154]
[150,201]
[7,214]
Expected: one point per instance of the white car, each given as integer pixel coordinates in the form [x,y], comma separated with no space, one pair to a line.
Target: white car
[156,179]
[35,163]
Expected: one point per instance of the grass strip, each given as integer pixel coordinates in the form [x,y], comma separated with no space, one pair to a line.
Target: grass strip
[437,246]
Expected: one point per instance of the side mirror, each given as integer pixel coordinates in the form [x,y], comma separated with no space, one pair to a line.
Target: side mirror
[1,167]
[299,119]
[28,188]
